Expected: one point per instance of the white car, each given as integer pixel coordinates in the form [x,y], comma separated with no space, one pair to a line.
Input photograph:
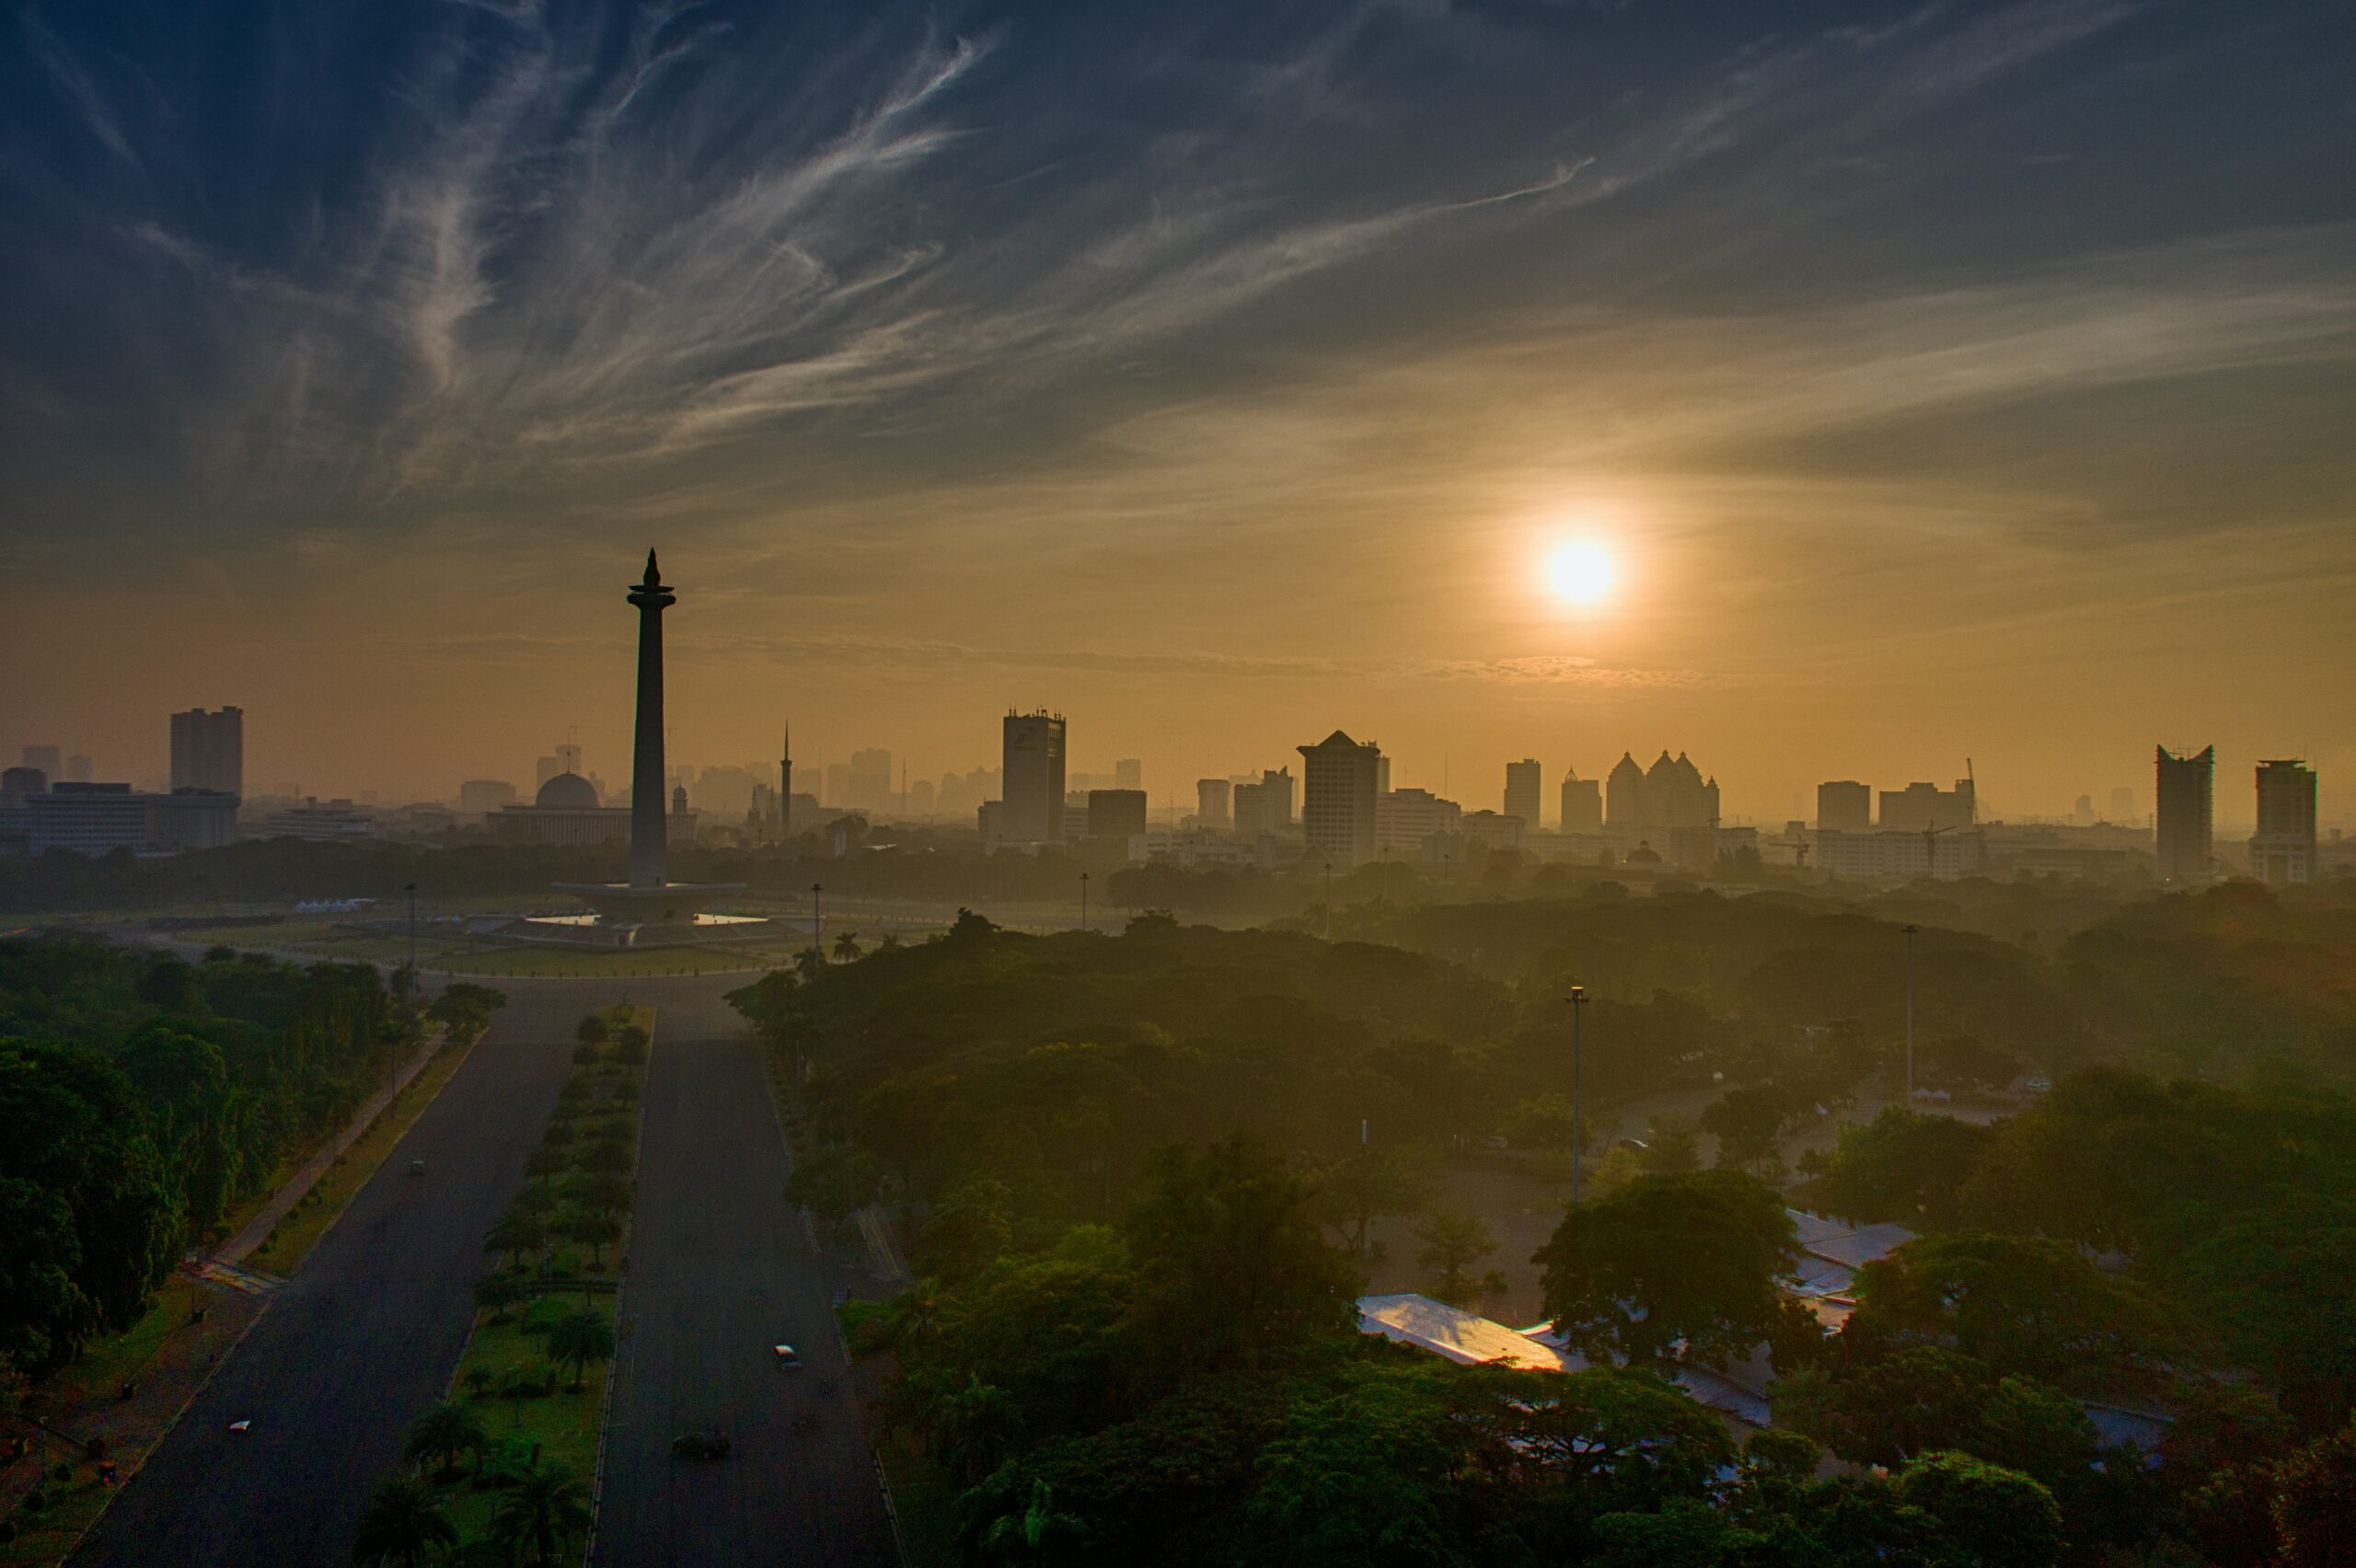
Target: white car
[787,1355]
[241,1427]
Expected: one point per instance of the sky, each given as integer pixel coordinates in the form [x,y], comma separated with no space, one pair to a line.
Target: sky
[1940,381]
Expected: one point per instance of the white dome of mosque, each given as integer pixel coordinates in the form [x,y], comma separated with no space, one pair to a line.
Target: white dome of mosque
[569,790]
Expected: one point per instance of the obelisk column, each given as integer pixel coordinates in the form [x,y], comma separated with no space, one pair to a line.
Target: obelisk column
[649,829]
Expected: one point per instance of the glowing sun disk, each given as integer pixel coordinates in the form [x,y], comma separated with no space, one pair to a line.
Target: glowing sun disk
[1580,574]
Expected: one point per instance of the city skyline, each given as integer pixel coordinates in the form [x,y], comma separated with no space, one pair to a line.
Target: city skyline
[1963,383]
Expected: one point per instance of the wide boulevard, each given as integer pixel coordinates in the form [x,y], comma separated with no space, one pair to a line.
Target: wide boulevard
[363,1340]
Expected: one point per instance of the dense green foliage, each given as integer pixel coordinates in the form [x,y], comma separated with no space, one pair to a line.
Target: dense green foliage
[141,1097]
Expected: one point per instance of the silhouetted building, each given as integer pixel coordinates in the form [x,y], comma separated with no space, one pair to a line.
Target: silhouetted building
[1582,804]
[785,785]
[485,796]
[209,750]
[1032,778]
[567,811]
[1921,808]
[1671,794]
[1264,805]
[1115,814]
[1886,856]
[50,760]
[2282,851]
[1214,801]
[80,769]
[1844,805]
[2184,797]
[1407,821]
[1340,779]
[1128,773]
[2122,804]
[16,783]
[1493,831]
[869,782]
[1524,780]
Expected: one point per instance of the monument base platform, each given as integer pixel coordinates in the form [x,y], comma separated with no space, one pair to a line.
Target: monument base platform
[658,914]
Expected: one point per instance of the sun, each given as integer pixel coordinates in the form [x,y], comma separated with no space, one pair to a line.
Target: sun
[1580,572]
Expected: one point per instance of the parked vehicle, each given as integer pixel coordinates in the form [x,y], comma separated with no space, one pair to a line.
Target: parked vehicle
[708,1444]
[786,1355]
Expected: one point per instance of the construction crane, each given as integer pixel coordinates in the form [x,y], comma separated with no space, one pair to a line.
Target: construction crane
[1930,850]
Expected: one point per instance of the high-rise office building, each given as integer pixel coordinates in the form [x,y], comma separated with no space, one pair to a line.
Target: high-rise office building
[50,760]
[1582,804]
[1340,781]
[2122,804]
[1407,822]
[1264,804]
[1671,794]
[2282,851]
[1524,780]
[1032,779]
[2184,796]
[869,780]
[209,751]
[1115,814]
[1214,802]
[1844,805]
[1128,773]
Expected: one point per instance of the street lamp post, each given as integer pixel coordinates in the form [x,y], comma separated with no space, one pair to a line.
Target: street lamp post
[1083,901]
[1577,999]
[1910,931]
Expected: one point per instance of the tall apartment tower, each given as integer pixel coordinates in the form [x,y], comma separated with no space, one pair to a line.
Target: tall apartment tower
[1844,805]
[785,785]
[2282,851]
[1032,782]
[209,750]
[1339,782]
[2185,795]
[1582,804]
[1212,803]
[1524,780]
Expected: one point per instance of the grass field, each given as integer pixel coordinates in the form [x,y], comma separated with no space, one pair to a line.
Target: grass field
[287,1245]
[618,963]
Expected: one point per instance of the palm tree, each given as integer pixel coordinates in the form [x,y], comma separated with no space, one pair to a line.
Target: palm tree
[580,1338]
[446,1432]
[809,964]
[403,1524]
[496,1293]
[847,947]
[593,1230]
[1020,1535]
[544,1510]
[516,1234]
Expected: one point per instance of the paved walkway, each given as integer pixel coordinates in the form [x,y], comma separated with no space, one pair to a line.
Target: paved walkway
[256,1231]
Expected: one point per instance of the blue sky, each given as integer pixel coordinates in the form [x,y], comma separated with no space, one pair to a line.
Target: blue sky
[1946,378]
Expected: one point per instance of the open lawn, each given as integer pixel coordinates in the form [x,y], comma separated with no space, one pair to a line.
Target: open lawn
[619,963]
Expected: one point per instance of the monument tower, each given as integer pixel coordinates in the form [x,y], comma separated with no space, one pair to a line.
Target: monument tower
[650,861]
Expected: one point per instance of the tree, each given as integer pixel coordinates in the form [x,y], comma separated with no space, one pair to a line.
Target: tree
[1902,1165]
[1371,1476]
[1924,1398]
[2001,1518]
[631,1044]
[1687,1258]
[516,1234]
[464,1011]
[1454,1242]
[1619,1437]
[809,964]
[2314,1502]
[592,1030]
[1747,1122]
[2020,1304]
[835,1183]
[544,1512]
[1039,1533]
[495,1293]
[403,1523]
[594,1230]
[579,1338]
[1230,1266]
[1371,1181]
[847,948]
[447,1431]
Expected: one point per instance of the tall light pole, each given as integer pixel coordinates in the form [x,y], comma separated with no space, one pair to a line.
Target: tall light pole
[1577,999]
[817,924]
[1083,901]
[1910,931]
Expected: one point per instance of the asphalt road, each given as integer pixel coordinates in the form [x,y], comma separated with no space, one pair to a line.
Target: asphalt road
[721,1270]
[363,1342]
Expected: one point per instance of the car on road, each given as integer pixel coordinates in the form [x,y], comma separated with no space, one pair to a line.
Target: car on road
[709,1443]
[240,1428]
[786,1355]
